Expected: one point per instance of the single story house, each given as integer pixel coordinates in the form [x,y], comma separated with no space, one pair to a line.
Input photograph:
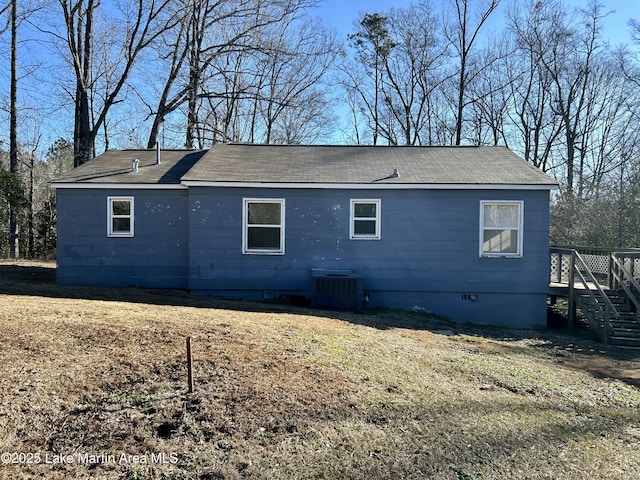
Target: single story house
[457,231]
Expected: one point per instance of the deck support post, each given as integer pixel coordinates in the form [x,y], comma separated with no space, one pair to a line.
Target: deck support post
[572,300]
[605,327]
[610,277]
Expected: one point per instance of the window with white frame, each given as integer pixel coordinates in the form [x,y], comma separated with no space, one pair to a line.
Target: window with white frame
[263,231]
[501,228]
[365,220]
[120,216]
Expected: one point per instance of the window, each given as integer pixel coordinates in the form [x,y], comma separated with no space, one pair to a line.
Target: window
[120,216]
[263,231]
[501,228]
[365,220]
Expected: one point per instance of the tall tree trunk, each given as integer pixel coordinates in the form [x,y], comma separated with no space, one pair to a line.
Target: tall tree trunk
[83,137]
[192,106]
[31,223]
[193,88]
[83,144]
[146,25]
[462,84]
[14,250]
[464,40]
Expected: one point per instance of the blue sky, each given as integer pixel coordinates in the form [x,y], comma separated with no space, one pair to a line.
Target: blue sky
[337,14]
[341,14]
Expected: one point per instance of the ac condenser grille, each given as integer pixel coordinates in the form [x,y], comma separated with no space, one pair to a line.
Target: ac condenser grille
[336,285]
[337,292]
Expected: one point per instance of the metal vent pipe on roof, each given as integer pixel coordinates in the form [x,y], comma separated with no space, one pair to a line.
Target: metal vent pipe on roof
[135,163]
[158,153]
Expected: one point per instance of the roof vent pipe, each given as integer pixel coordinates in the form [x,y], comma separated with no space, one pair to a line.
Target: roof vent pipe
[135,163]
[395,174]
[158,153]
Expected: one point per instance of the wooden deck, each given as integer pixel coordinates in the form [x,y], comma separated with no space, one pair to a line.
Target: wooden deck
[604,286]
[562,289]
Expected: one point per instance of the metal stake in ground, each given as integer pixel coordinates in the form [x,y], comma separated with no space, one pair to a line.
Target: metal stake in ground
[189,365]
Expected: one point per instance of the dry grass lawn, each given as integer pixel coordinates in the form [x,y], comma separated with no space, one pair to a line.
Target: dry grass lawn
[93,385]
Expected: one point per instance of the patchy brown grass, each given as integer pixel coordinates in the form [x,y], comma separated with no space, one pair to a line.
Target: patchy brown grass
[96,378]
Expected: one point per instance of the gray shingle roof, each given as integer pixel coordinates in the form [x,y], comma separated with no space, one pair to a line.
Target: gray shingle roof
[365,164]
[275,164]
[114,166]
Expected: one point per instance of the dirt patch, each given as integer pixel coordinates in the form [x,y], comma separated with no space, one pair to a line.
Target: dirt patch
[591,356]
[623,366]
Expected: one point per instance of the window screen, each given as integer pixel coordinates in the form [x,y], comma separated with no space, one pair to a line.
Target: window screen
[120,216]
[501,228]
[365,219]
[264,226]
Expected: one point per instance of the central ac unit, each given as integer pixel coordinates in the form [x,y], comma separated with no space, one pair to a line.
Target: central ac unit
[336,291]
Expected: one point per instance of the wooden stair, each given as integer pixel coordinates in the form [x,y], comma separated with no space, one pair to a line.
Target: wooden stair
[624,325]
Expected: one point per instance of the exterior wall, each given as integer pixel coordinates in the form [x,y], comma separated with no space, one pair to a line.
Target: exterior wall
[491,308]
[157,256]
[427,257]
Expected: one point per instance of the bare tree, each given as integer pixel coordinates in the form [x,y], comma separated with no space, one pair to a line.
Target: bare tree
[31,164]
[570,57]
[143,21]
[14,249]
[630,60]
[58,159]
[414,71]
[536,126]
[213,31]
[289,69]
[373,44]
[310,123]
[490,95]
[352,101]
[463,33]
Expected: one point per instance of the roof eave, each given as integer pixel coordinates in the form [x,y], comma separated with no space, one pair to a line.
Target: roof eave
[112,186]
[371,186]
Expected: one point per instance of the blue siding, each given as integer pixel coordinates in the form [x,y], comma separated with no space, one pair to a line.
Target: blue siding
[156,257]
[429,247]
[490,308]
[427,257]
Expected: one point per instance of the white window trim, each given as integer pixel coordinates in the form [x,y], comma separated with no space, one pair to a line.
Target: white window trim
[520,204]
[111,217]
[245,226]
[352,219]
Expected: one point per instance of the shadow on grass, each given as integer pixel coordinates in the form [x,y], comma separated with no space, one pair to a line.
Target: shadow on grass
[39,279]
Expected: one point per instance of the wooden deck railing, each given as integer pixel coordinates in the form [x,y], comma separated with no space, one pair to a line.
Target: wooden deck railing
[600,262]
[625,277]
[589,272]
